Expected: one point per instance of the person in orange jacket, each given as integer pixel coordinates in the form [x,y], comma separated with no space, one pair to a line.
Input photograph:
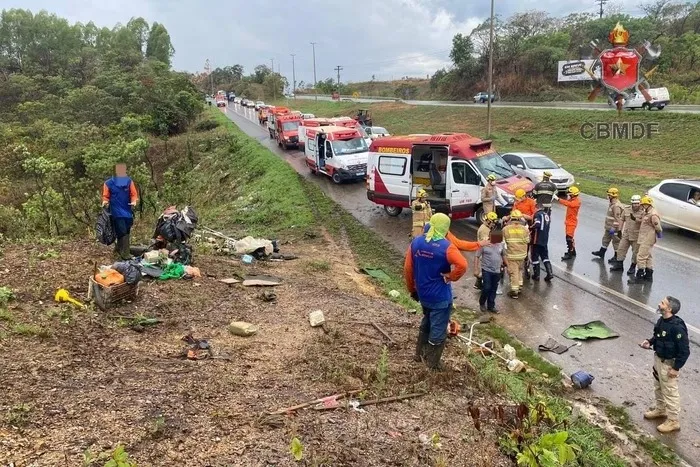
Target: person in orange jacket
[573,204]
[119,196]
[525,205]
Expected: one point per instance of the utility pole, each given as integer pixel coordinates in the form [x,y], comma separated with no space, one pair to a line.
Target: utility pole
[488,109]
[601,3]
[272,62]
[294,78]
[207,68]
[338,68]
[313,46]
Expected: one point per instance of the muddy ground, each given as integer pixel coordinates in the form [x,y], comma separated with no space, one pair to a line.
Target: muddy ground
[77,383]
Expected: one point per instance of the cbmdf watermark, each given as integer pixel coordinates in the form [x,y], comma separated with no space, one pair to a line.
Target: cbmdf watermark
[619,130]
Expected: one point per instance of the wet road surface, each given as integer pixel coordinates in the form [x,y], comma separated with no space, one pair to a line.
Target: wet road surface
[582,291]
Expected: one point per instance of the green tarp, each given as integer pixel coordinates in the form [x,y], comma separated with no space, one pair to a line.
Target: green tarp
[592,330]
[376,273]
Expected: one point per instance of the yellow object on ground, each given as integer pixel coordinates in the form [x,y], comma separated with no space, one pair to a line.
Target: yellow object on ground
[62,296]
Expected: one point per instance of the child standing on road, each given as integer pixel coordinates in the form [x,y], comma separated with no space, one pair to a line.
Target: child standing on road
[489,259]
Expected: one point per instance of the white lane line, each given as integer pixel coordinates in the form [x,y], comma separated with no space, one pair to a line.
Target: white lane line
[675,252]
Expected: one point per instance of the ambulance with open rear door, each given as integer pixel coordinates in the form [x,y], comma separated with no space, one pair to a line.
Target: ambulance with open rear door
[338,152]
[451,167]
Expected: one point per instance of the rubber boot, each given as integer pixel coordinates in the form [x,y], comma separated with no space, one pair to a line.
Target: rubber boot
[638,279]
[420,346]
[573,252]
[548,268]
[535,272]
[648,275]
[600,253]
[433,354]
[617,266]
[613,259]
[632,269]
[567,256]
[124,250]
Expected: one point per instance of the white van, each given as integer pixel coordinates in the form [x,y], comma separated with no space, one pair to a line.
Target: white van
[310,123]
[338,152]
[660,98]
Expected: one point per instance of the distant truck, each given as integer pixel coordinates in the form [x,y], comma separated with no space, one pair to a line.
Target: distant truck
[660,98]
[338,152]
[287,130]
[221,100]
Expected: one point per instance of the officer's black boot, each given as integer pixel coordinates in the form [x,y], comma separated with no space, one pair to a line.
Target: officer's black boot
[613,260]
[600,253]
[535,272]
[548,268]
[618,266]
[648,275]
[630,271]
[638,279]
[433,354]
[567,256]
[420,346]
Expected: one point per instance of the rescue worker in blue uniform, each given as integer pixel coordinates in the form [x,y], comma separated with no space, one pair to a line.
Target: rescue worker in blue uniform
[120,195]
[540,243]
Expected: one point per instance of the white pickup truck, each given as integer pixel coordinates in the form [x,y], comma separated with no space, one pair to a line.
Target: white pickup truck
[659,99]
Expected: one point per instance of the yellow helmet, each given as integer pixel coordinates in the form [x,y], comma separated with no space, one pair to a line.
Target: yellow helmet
[520,194]
[547,173]
[516,214]
[614,192]
[422,193]
[491,177]
[646,200]
[491,216]
[573,191]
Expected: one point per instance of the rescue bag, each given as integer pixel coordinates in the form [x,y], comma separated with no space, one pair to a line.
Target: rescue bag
[104,229]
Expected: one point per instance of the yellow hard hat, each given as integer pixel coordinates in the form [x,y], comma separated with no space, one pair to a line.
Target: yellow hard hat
[613,192]
[573,191]
[646,200]
[516,214]
[520,193]
[422,193]
[547,173]
[491,177]
[492,216]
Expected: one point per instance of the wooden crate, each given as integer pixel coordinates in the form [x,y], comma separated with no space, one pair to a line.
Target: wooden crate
[108,297]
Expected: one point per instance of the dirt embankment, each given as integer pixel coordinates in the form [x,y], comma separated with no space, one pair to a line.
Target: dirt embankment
[76,383]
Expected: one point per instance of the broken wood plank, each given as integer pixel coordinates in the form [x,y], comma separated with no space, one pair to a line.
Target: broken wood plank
[310,403]
[375,401]
[376,326]
[230,281]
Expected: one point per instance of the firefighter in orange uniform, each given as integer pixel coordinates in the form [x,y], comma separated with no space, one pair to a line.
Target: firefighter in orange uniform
[573,204]
[525,204]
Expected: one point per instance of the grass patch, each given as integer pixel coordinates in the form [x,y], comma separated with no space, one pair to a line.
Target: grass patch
[18,415]
[632,165]
[619,416]
[30,330]
[318,266]
[595,448]
[6,316]
[658,451]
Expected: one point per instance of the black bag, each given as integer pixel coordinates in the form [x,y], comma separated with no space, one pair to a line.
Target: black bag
[177,226]
[104,228]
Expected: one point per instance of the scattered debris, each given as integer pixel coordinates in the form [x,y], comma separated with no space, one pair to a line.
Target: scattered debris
[376,273]
[394,294]
[247,259]
[352,404]
[553,346]
[268,296]
[62,296]
[230,281]
[243,329]
[515,365]
[261,280]
[509,351]
[323,400]
[591,330]
[316,318]
[198,349]
[581,379]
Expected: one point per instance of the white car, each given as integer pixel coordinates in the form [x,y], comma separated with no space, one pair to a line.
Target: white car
[532,166]
[678,203]
[307,116]
[375,132]
[259,104]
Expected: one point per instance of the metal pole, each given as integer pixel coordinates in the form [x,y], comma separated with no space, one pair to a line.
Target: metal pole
[338,68]
[488,109]
[313,46]
[272,62]
[294,78]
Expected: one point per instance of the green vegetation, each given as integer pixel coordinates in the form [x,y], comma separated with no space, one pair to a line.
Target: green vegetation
[76,99]
[632,165]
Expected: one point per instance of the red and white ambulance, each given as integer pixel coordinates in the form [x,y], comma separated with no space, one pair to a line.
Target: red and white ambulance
[338,152]
[451,167]
[310,123]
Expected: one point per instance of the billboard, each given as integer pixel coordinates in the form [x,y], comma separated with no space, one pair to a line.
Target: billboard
[575,70]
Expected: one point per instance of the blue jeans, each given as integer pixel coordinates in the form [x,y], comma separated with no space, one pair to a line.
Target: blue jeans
[122,226]
[436,318]
[489,288]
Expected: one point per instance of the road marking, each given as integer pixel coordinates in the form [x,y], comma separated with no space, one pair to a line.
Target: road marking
[684,255]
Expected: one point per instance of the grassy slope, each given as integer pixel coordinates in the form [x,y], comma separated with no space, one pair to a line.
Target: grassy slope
[631,165]
[373,251]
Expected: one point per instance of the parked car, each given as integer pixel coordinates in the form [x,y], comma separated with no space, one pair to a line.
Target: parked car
[660,98]
[375,132]
[307,116]
[483,97]
[236,100]
[532,166]
[259,104]
[673,199]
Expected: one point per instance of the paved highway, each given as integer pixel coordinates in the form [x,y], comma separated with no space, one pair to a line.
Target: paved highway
[582,291]
[673,108]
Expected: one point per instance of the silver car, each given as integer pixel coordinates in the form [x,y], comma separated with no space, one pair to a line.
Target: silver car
[678,203]
[532,166]
[375,132]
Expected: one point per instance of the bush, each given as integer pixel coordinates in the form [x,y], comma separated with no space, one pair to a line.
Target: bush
[12,224]
[206,125]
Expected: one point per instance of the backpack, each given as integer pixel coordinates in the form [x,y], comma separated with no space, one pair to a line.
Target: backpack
[104,228]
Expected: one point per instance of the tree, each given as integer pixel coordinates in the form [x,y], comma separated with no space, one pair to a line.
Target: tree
[462,50]
[159,46]
[260,73]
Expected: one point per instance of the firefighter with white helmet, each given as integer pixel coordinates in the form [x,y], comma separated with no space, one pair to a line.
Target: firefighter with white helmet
[649,230]
[631,221]
[613,221]
[421,213]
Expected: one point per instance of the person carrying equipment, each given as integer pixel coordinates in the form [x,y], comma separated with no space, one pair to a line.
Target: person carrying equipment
[119,195]
[573,204]
[613,221]
[421,213]
[631,221]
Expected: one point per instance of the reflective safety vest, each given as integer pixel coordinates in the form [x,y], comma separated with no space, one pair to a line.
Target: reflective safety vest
[517,237]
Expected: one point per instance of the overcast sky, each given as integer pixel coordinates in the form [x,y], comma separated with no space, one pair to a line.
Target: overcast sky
[387,38]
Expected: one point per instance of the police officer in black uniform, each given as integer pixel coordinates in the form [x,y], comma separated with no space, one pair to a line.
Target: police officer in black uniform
[545,191]
[671,351]
[539,241]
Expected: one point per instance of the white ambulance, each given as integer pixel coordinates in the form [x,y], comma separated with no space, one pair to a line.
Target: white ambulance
[310,123]
[451,167]
[338,152]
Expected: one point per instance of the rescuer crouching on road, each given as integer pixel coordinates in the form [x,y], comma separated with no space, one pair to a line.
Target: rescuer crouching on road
[671,351]
[432,263]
